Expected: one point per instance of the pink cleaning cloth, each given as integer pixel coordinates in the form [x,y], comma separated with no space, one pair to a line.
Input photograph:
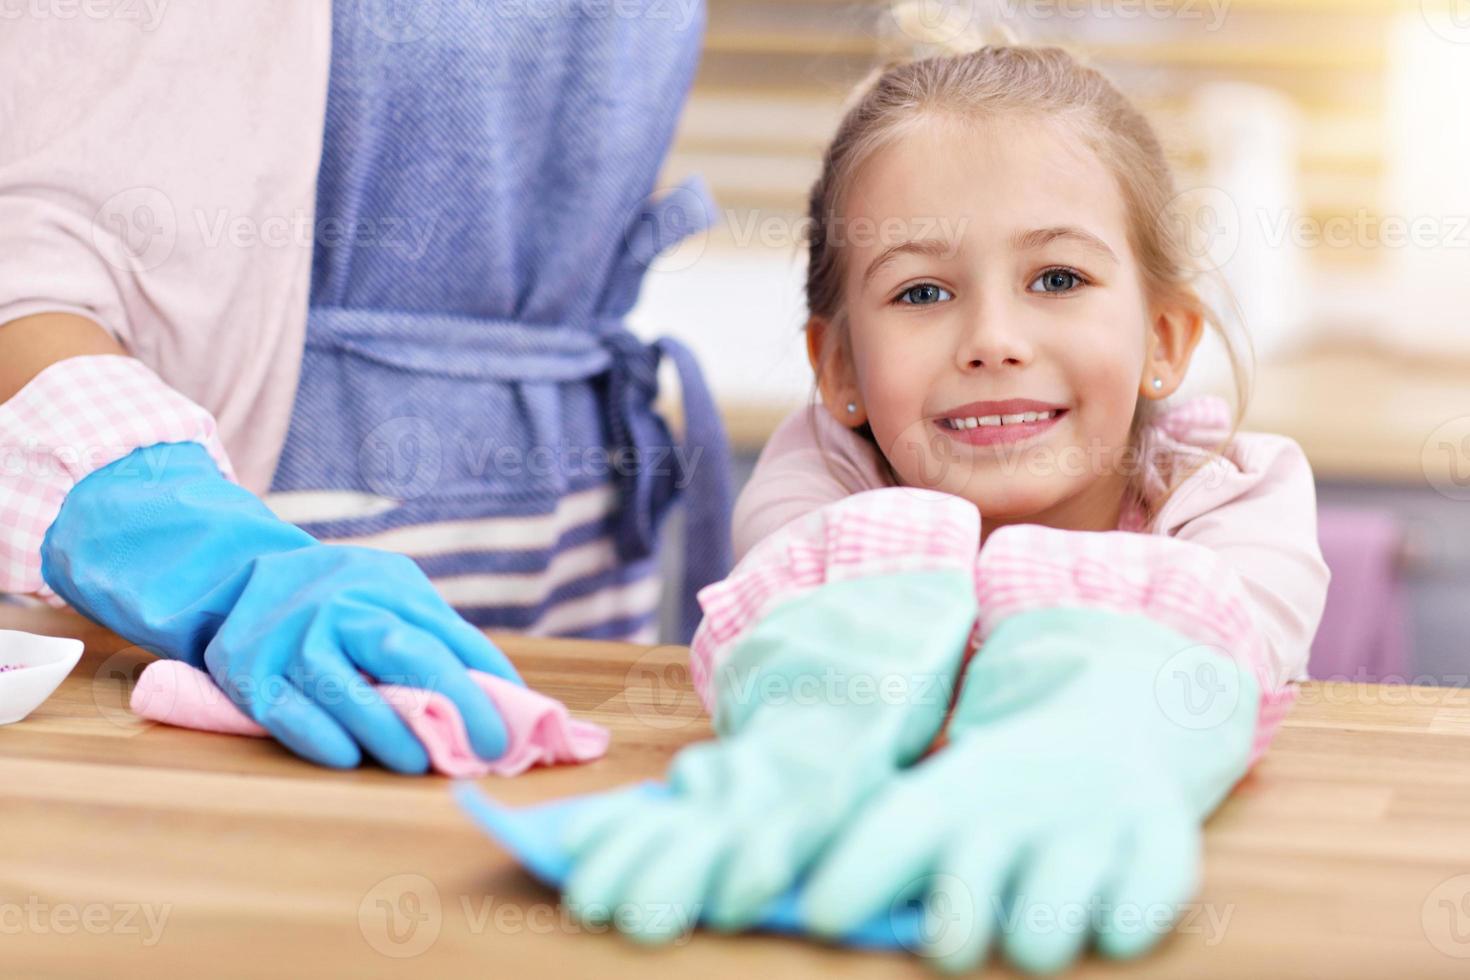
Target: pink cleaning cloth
[539,727]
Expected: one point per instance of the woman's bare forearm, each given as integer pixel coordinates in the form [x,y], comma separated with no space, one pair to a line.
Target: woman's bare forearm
[31,344]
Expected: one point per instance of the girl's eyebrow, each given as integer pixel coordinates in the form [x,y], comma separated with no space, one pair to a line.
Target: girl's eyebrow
[1040,237]
[932,247]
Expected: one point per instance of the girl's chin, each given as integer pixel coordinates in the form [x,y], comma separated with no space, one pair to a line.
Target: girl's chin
[1000,498]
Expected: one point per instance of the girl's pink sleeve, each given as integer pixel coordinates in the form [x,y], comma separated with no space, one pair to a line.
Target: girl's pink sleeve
[809,462]
[1234,562]
[1258,513]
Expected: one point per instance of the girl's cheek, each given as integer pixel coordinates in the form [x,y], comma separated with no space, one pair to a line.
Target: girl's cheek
[883,375]
[1112,397]
[893,390]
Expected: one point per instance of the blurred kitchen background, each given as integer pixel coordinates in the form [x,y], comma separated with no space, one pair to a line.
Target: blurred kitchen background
[1324,150]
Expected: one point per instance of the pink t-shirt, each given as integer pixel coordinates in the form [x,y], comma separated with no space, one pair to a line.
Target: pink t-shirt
[158,170]
[1254,508]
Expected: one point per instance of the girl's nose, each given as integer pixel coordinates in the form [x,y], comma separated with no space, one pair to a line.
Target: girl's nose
[991,339]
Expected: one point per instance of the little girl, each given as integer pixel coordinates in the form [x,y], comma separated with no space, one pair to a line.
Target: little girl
[1024,363]
[994,489]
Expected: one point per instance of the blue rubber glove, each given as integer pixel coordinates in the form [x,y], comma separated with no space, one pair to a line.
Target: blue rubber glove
[1067,804]
[818,705]
[162,549]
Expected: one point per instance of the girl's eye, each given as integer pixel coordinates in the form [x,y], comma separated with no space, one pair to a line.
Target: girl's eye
[924,294]
[1055,281]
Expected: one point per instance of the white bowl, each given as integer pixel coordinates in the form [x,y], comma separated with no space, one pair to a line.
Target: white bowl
[41,664]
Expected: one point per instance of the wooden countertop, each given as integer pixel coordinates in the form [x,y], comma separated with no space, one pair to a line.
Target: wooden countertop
[1346,853]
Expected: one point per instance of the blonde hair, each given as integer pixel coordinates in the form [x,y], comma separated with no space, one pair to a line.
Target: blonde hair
[957,73]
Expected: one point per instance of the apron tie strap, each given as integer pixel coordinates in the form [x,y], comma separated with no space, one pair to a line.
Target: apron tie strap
[659,470]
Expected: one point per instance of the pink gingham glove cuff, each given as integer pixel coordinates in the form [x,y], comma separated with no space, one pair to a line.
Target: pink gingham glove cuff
[1182,585]
[878,532]
[76,416]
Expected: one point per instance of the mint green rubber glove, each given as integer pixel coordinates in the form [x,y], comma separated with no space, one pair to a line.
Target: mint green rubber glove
[818,706]
[1085,749]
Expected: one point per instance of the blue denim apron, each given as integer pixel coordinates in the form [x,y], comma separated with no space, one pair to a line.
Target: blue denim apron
[483,223]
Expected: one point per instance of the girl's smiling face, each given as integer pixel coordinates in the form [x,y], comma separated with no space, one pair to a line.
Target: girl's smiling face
[997,279]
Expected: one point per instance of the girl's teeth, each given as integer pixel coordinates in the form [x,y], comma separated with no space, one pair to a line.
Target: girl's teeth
[983,420]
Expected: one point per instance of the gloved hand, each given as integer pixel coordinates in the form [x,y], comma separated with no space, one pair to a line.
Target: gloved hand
[163,550]
[1067,802]
[817,705]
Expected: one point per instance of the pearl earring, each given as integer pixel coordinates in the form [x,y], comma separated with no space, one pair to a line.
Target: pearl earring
[1158,383]
[852,408]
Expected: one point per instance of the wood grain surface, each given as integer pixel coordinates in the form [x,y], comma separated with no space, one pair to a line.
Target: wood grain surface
[132,849]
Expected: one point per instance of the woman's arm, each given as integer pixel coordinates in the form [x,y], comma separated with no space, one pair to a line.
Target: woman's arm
[160,183]
[31,344]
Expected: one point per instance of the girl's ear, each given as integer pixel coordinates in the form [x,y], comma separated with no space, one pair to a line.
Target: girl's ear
[1177,329]
[835,377]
